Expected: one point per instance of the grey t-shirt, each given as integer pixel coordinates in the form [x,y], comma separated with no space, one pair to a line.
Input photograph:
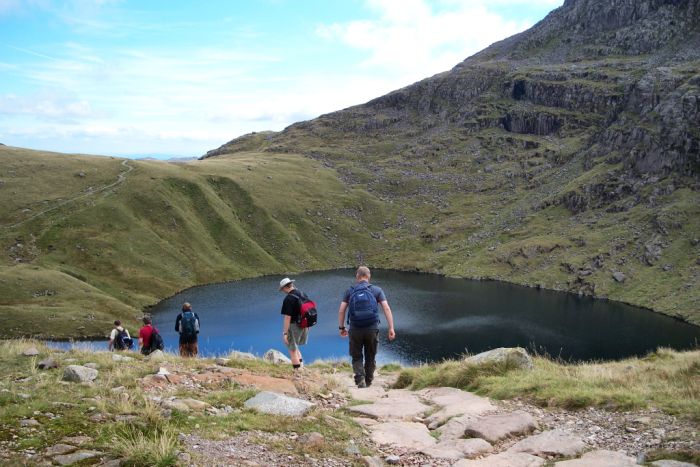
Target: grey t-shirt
[374,290]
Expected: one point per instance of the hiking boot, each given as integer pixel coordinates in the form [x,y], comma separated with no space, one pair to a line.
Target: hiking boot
[362,384]
[368,383]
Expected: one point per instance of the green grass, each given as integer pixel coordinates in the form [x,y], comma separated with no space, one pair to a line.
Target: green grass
[152,438]
[665,379]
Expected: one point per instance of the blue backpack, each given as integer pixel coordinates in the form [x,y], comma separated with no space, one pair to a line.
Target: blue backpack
[188,324]
[363,309]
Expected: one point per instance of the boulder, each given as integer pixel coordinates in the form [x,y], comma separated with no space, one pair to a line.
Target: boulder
[278,404]
[494,428]
[405,435]
[59,449]
[455,427]
[515,356]
[31,352]
[619,276]
[76,457]
[222,361]
[242,355]
[276,357]
[456,449]
[47,364]
[600,458]
[504,459]
[454,402]
[157,355]
[556,443]
[28,422]
[76,440]
[399,404]
[79,374]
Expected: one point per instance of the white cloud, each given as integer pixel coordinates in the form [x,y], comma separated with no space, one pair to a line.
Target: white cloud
[416,39]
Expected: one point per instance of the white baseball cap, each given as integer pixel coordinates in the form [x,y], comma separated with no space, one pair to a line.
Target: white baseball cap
[285,282]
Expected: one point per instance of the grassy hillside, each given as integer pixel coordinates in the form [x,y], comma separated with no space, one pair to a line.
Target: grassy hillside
[79,255]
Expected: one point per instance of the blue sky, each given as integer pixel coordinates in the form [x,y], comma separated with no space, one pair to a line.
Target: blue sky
[132,78]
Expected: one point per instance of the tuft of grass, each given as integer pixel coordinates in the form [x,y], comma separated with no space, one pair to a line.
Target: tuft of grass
[154,447]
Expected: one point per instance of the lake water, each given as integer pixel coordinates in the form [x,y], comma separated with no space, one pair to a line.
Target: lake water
[435,318]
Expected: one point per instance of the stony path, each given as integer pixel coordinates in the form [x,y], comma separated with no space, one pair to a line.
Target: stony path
[449,427]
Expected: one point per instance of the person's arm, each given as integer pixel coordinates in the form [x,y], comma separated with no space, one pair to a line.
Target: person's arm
[140,340]
[177,323]
[196,323]
[110,344]
[285,329]
[341,319]
[389,319]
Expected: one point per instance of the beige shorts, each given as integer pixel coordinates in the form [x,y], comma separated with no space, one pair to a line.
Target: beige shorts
[296,336]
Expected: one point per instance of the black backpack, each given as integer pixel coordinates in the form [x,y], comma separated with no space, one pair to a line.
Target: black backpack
[363,309]
[155,344]
[308,315]
[123,341]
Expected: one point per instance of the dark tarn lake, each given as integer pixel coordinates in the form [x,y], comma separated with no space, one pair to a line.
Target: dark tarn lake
[435,318]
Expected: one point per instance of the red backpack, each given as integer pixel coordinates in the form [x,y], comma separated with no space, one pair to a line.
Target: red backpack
[308,316]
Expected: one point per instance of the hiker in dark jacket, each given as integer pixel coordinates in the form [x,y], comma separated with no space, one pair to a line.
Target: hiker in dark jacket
[119,338]
[362,302]
[187,325]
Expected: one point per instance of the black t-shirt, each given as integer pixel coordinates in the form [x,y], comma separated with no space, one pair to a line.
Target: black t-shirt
[290,305]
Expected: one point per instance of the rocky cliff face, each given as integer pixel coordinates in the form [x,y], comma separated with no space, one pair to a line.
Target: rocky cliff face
[596,109]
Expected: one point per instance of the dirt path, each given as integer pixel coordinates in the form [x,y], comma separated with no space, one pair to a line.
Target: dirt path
[120,179]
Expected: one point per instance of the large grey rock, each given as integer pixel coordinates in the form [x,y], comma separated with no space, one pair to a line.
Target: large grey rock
[399,404]
[515,356]
[275,356]
[600,458]
[75,457]
[31,352]
[242,355]
[407,435]
[59,449]
[28,422]
[157,356]
[619,276]
[454,402]
[551,443]
[455,427]
[277,404]
[671,463]
[504,459]
[494,428]
[79,374]
[456,449]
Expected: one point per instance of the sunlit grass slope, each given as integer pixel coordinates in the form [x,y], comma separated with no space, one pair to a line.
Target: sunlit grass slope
[72,269]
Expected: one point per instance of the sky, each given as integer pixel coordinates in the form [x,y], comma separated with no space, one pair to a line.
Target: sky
[176,78]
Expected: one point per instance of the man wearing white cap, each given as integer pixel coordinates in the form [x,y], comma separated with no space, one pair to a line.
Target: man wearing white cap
[292,334]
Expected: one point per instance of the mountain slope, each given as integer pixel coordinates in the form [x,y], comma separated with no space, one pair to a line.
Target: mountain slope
[79,255]
[565,157]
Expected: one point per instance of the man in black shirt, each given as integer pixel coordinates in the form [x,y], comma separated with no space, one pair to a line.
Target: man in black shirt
[292,334]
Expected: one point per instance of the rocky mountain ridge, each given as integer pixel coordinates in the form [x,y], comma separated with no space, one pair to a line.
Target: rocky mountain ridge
[596,110]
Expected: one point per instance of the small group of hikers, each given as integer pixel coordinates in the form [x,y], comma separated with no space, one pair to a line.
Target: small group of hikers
[359,309]
[186,324]
[358,319]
